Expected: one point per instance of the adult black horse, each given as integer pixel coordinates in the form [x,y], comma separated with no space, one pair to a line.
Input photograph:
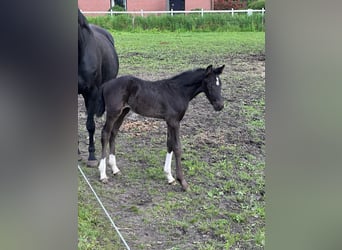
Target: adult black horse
[97,63]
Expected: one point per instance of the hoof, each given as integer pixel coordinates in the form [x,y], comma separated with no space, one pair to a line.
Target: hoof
[185,186]
[173,183]
[117,173]
[92,163]
[104,181]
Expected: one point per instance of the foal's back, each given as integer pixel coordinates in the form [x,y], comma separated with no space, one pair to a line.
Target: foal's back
[156,99]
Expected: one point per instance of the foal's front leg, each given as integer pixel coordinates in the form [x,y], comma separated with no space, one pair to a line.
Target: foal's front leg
[174,143]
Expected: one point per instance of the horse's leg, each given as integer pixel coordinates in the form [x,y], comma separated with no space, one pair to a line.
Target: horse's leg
[115,130]
[105,133]
[173,129]
[90,101]
[167,166]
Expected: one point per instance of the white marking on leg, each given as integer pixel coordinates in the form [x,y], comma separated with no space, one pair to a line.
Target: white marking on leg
[102,168]
[112,163]
[167,168]
[217,81]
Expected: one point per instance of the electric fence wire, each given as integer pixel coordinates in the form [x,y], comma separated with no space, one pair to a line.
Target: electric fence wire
[104,209]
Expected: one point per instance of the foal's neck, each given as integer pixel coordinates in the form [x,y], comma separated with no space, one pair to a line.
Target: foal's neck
[193,86]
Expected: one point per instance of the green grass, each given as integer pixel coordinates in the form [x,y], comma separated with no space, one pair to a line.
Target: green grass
[204,212]
[192,22]
[156,51]
[94,230]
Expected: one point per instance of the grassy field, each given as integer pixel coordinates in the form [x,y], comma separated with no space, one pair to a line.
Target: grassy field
[190,22]
[223,153]
[177,51]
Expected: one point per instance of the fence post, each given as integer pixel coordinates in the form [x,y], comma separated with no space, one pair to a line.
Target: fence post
[232,11]
[171,12]
[262,11]
[111,12]
[202,13]
[249,12]
[142,12]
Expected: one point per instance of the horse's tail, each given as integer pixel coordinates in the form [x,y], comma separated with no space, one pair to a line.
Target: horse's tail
[100,103]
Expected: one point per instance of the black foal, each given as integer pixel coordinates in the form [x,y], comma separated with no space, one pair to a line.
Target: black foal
[166,99]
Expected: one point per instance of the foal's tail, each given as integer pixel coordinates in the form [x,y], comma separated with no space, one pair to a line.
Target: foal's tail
[100,103]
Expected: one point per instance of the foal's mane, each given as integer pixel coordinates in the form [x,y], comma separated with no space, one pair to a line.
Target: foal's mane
[189,77]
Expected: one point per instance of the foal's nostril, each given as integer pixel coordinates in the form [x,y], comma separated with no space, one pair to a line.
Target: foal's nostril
[218,106]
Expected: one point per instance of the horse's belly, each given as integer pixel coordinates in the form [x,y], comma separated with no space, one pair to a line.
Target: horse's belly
[147,104]
[147,110]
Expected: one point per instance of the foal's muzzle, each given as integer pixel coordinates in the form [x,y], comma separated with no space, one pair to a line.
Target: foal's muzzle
[218,106]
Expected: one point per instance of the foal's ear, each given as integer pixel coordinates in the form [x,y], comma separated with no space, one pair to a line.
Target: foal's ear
[218,71]
[209,70]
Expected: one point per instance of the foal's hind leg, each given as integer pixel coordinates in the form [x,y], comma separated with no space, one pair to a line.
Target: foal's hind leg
[115,130]
[105,133]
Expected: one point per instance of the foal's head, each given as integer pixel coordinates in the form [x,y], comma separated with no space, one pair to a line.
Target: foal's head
[212,86]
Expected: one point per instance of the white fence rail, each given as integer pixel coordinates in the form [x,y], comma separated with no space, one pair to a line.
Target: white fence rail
[172,12]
